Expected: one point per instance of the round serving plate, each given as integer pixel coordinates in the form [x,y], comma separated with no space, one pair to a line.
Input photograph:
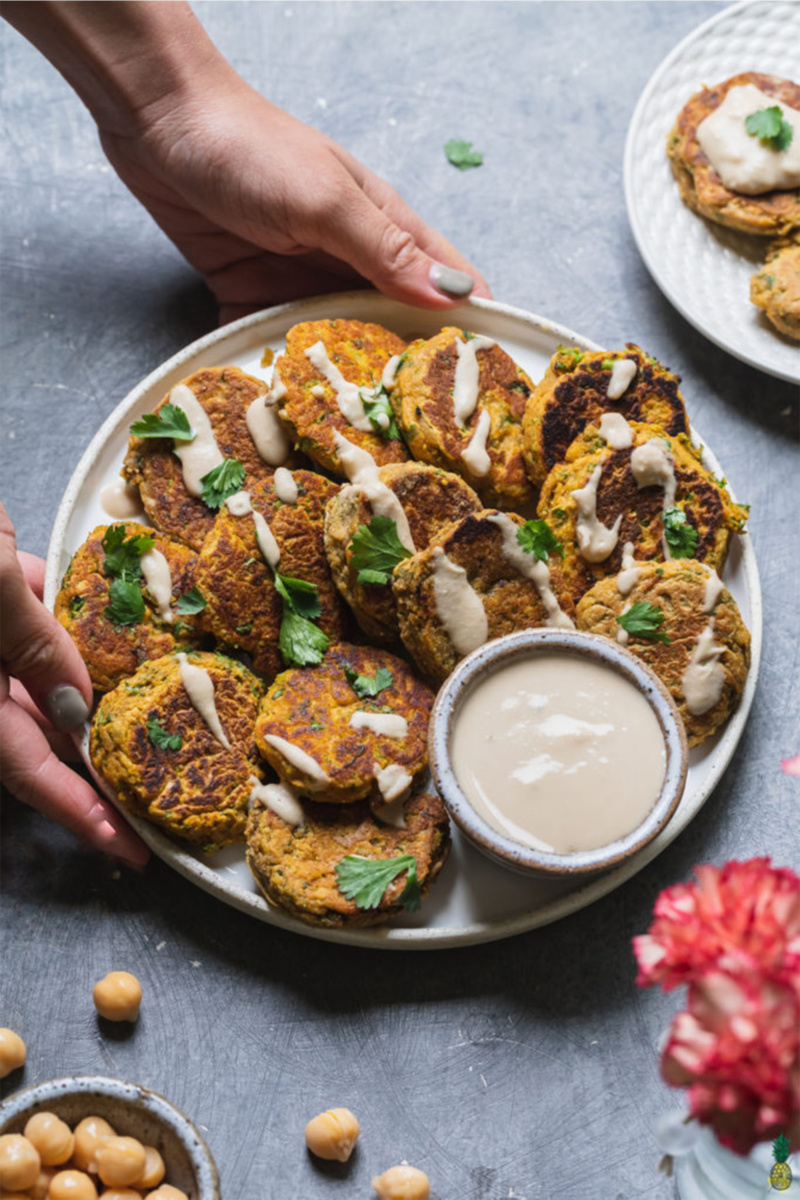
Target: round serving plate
[701,267]
[474,900]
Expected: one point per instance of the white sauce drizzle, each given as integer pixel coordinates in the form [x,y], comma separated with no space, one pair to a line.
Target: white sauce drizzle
[384,724]
[595,541]
[120,501]
[393,782]
[458,605]
[199,687]
[704,678]
[158,579]
[393,812]
[300,760]
[623,374]
[466,384]
[318,391]
[348,395]
[281,799]
[537,572]
[622,634]
[713,590]
[201,454]
[239,505]
[285,486]
[652,466]
[269,435]
[362,471]
[615,430]
[741,162]
[389,376]
[277,389]
[628,576]
[476,456]
[270,551]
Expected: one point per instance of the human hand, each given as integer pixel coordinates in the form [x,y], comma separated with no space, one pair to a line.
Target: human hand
[41,672]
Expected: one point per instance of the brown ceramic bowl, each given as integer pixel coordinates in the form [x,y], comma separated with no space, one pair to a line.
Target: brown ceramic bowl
[528,644]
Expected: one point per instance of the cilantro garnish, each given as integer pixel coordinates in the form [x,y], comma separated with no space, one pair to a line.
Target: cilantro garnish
[568,358]
[369,685]
[366,879]
[643,620]
[770,127]
[190,602]
[538,539]
[169,422]
[122,553]
[379,410]
[461,154]
[126,603]
[223,481]
[681,536]
[301,642]
[607,364]
[160,738]
[377,550]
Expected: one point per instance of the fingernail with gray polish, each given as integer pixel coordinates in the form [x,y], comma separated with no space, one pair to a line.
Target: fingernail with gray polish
[450,282]
[67,708]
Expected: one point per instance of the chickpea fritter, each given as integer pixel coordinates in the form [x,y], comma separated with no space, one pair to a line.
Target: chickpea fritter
[776,287]
[194,788]
[574,394]
[423,402]
[243,609]
[431,499]
[678,589]
[320,713]
[113,651]
[705,503]
[307,400]
[295,866]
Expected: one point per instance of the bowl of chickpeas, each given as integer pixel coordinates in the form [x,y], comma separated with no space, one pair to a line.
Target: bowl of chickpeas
[94,1138]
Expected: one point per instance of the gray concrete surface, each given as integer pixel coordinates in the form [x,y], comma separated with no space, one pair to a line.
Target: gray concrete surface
[522,1069]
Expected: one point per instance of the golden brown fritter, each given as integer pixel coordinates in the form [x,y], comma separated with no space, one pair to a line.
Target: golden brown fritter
[295,866]
[701,187]
[111,651]
[431,499]
[776,287]
[359,352]
[573,394]
[707,505]
[198,792]
[510,600]
[225,393]
[422,399]
[243,608]
[313,710]
[678,589]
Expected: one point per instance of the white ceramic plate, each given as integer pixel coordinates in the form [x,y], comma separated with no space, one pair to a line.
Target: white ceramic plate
[474,900]
[701,267]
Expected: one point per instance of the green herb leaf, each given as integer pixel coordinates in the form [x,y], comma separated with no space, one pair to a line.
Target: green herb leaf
[160,738]
[461,154]
[538,539]
[644,620]
[607,364]
[379,410]
[190,602]
[169,422]
[122,554]
[366,879]
[369,685]
[126,603]
[377,550]
[301,642]
[770,127]
[224,481]
[568,358]
[681,536]
[300,595]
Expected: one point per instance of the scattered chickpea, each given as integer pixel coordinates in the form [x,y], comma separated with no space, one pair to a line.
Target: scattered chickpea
[333,1134]
[167,1192]
[121,1194]
[41,1185]
[72,1185]
[402,1183]
[120,1161]
[19,1162]
[117,997]
[12,1052]
[153,1169]
[52,1137]
[88,1134]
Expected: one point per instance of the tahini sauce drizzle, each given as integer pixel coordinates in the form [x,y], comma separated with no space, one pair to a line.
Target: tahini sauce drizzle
[277,390]
[704,678]
[270,551]
[280,798]
[348,395]
[393,782]
[362,471]
[458,605]
[595,541]
[269,435]
[466,384]
[623,374]
[121,501]
[615,430]
[201,454]
[389,376]
[239,505]
[391,725]
[652,466]
[285,486]
[713,589]
[628,575]
[537,572]
[475,454]
[300,761]
[741,162]
[158,579]
[199,687]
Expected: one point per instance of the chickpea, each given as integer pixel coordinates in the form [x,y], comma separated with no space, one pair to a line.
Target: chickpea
[88,1134]
[167,1192]
[19,1162]
[41,1185]
[120,1161]
[402,1183]
[12,1052]
[121,1194]
[72,1185]
[333,1134]
[52,1137]
[117,997]
[153,1171]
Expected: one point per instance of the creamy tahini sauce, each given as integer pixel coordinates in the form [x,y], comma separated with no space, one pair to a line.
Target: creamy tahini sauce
[239,505]
[393,811]
[652,466]
[393,781]
[559,753]
[201,454]
[595,541]
[385,724]
[466,384]
[476,456]
[629,574]
[348,395]
[121,501]
[299,760]
[389,376]
[623,636]
[740,160]
[199,687]
[615,430]
[362,471]
[285,486]
[458,605]
[277,390]
[704,678]
[537,572]
[623,373]
[281,799]
[158,579]
[270,550]
[269,435]
[713,589]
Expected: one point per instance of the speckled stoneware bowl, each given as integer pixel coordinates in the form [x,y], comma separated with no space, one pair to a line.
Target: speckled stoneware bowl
[133,1111]
[528,644]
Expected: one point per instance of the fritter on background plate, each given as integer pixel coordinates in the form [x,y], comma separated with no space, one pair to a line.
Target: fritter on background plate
[776,286]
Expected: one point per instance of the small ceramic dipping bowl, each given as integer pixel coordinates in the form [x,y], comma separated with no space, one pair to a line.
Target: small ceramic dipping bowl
[527,646]
[133,1111]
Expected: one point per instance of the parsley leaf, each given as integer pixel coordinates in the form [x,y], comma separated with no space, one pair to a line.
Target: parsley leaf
[567,358]
[122,554]
[169,422]
[366,879]
[190,602]
[369,685]
[681,536]
[126,603]
[643,620]
[300,595]
[770,127]
[224,481]
[538,539]
[377,550]
[379,410]
[461,154]
[301,642]
[160,738]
